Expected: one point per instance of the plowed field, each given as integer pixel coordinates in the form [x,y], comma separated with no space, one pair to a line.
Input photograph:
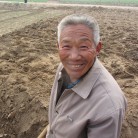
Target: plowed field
[28,62]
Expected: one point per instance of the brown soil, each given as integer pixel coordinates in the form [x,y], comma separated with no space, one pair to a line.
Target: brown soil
[28,61]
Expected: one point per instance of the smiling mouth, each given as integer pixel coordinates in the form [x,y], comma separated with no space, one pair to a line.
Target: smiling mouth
[77,66]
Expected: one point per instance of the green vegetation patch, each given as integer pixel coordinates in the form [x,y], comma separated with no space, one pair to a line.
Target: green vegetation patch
[106,2]
[101,1]
[27,0]
[37,0]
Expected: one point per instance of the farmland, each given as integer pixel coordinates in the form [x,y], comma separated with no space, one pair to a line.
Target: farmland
[28,62]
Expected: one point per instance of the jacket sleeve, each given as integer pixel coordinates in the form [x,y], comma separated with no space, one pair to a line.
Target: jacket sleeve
[108,126]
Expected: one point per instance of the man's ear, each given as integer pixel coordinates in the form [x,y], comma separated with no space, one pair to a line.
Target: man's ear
[98,48]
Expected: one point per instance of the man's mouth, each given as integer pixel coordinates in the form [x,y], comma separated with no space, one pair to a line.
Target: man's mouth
[77,66]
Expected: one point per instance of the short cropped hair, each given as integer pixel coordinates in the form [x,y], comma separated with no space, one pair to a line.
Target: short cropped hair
[83,19]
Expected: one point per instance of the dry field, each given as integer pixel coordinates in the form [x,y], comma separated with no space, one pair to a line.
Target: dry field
[28,61]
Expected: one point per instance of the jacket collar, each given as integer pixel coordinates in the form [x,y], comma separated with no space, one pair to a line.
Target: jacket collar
[85,86]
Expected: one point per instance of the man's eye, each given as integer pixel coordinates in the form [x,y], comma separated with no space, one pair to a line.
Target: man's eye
[66,47]
[84,47]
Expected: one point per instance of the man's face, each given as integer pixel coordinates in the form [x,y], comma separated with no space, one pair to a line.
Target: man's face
[76,50]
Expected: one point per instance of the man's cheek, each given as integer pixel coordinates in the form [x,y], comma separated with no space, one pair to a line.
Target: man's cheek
[62,54]
[92,52]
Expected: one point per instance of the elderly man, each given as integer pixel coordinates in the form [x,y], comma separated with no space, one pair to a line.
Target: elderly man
[86,101]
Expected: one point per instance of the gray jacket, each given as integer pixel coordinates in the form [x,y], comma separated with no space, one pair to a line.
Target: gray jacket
[94,108]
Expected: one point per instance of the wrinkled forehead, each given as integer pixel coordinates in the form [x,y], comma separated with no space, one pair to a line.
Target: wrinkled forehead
[73,31]
[76,26]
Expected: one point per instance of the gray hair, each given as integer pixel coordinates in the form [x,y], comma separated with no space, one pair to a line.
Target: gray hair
[86,20]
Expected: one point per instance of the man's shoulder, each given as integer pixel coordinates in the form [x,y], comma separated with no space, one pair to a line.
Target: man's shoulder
[107,90]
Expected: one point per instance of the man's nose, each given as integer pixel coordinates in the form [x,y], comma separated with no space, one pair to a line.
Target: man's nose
[75,54]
